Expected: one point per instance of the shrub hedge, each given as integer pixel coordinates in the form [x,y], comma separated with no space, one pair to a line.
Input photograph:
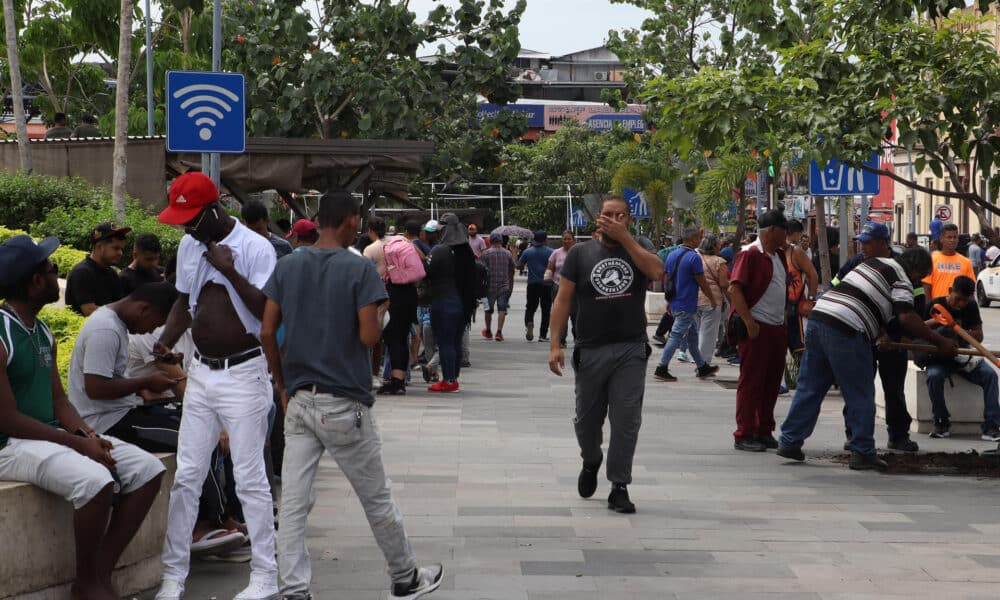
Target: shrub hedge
[25,198]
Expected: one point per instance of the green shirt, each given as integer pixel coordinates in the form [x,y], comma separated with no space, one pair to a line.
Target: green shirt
[29,367]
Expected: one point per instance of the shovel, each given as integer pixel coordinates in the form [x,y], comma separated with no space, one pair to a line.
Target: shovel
[926,348]
[940,314]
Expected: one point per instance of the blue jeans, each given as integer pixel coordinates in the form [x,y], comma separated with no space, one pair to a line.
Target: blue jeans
[834,356]
[448,324]
[684,331]
[983,375]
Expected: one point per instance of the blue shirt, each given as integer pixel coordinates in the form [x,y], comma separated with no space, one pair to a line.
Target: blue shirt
[683,265]
[536,258]
[727,253]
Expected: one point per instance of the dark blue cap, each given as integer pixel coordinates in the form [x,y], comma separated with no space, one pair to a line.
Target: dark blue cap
[873,231]
[20,254]
[936,226]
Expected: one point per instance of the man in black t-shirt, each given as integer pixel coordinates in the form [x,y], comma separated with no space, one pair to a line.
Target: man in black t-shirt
[607,277]
[93,283]
[961,303]
[145,266]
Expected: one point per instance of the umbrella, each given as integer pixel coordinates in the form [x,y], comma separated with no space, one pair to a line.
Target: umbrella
[513,231]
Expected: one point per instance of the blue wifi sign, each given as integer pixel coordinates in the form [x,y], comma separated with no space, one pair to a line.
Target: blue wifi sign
[206,112]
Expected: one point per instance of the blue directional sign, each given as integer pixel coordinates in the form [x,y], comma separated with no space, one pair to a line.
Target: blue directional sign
[206,112]
[837,179]
[577,218]
[637,204]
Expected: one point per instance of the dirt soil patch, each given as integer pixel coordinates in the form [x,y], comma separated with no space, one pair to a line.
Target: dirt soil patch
[969,464]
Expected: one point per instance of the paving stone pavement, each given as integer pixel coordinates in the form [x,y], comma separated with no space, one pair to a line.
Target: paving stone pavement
[486,479]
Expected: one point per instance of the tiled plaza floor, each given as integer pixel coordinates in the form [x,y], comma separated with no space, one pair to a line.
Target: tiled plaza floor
[487,482]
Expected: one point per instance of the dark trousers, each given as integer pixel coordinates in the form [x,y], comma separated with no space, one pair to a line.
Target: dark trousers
[762,363]
[402,315]
[154,429]
[448,325]
[539,294]
[610,382]
[665,325]
[572,313]
[892,368]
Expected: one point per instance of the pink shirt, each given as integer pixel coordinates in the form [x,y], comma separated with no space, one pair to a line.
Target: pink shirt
[558,258]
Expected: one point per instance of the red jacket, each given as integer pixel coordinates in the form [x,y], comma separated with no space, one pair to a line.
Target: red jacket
[753,270]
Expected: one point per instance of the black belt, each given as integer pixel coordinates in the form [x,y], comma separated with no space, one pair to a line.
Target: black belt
[315,389]
[228,361]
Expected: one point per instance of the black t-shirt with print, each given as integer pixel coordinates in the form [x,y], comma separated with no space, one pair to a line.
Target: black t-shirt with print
[610,293]
[89,282]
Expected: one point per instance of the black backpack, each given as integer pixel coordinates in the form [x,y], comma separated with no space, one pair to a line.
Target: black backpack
[482,280]
[669,284]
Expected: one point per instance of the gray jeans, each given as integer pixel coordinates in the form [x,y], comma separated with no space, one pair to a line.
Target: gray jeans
[346,429]
[610,380]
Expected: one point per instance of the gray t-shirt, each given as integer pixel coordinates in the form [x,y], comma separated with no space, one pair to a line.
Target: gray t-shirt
[101,349]
[320,291]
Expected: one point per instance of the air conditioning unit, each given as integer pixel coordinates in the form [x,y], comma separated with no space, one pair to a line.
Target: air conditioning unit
[601,76]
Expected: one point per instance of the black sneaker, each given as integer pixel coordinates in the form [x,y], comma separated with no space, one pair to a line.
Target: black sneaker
[769,442]
[903,444]
[867,462]
[395,387]
[586,483]
[466,364]
[706,371]
[791,453]
[426,372]
[543,338]
[659,340]
[529,334]
[748,445]
[297,596]
[847,445]
[618,500]
[425,580]
[991,435]
[662,373]
[941,430]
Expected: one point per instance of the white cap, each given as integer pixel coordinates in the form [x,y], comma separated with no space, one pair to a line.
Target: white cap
[432,226]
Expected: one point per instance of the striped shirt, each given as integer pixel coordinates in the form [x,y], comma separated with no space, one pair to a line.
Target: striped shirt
[868,298]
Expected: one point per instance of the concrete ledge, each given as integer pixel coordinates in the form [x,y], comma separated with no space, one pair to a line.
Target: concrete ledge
[37,554]
[965,402]
[656,305]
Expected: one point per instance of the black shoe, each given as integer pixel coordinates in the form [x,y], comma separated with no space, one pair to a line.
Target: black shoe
[466,364]
[659,340]
[769,442]
[867,462]
[706,371]
[395,387]
[425,580]
[941,430]
[904,444]
[586,483]
[426,372]
[663,374]
[618,500]
[749,445]
[791,453]
[529,333]
[543,338]
[847,445]
[991,435]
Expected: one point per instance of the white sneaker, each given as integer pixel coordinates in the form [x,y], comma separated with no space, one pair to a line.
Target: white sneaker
[260,588]
[170,589]
[425,581]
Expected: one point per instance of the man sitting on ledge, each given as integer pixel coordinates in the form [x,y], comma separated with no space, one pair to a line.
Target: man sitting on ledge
[43,440]
[961,303]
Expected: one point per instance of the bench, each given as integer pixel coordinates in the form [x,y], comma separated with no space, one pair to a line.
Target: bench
[37,556]
[965,402]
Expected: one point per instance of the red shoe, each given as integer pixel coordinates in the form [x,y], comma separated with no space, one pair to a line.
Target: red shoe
[486,334]
[499,337]
[441,386]
[453,386]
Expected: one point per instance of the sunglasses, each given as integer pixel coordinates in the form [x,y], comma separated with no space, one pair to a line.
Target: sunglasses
[194,227]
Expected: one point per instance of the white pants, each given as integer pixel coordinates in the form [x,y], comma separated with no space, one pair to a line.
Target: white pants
[236,400]
[65,472]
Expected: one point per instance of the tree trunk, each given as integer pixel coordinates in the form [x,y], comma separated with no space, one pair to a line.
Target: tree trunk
[16,88]
[741,212]
[823,244]
[121,110]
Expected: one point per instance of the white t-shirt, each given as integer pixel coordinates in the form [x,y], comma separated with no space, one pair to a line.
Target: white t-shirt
[253,257]
[140,352]
[770,309]
[101,349]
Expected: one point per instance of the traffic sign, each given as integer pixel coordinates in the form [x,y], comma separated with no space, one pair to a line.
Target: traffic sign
[637,204]
[206,112]
[837,179]
[577,218]
[942,212]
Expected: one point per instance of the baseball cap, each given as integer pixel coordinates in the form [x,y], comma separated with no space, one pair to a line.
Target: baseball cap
[496,237]
[772,218]
[936,226]
[106,231]
[302,227]
[189,193]
[873,231]
[20,254]
[432,226]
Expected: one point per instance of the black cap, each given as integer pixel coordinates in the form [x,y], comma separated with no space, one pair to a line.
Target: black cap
[20,254]
[772,218]
[541,236]
[106,231]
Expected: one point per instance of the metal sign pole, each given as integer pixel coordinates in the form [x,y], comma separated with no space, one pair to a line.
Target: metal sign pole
[214,162]
[502,223]
[150,126]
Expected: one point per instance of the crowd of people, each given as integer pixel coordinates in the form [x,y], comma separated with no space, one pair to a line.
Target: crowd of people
[225,358]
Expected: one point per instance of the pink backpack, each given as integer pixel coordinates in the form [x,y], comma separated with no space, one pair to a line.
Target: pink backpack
[402,262]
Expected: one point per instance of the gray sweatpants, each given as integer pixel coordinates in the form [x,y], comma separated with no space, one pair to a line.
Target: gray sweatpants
[610,380]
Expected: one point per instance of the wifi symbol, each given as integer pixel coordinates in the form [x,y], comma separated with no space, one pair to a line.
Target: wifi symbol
[206,99]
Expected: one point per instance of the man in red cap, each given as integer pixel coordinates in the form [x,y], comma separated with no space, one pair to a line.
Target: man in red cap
[303,233]
[221,267]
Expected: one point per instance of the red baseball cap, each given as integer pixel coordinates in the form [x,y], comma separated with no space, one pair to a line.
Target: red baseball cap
[302,227]
[188,195]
